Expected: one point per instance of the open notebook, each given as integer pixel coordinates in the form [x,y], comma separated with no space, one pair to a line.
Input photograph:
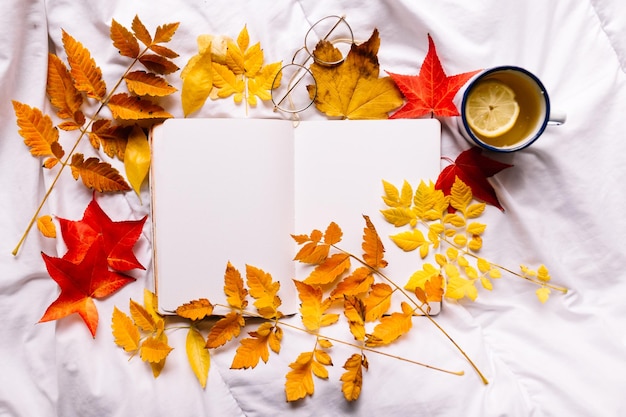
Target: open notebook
[234,190]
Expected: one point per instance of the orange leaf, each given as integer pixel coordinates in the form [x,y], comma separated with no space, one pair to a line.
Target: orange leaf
[329,270]
[87,76]
[36,128]
[163,51]
[112,137]
[312,253]
[251,350]
[60,88]
[391,327]
[378,301]
[158,64]
[353,377]
[145,83]
[372,246]
[154,350]
[98,175]
[359,282]
[299,381]
[225,329]
[233,288]
[354,310]
[125,332]
[157,367]
[46,226]
[127,107]
[434,288]
[264,290]
[140,31]
[124,40]
[142,318]
[196,309]
[312,308]
[333,234]
[164,33]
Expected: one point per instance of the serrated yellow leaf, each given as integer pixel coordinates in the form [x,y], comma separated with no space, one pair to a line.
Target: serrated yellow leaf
[391,327]
[198,355]
[150,302]
[475,210]
[372,246]
[164,33]
[264,290]
[458,287]
[46,226]
[299,381]
[196,309]
[157,367]
[434,288]
[409,240]
[36,128]
[142,318]
[87,76]
[137,159]
[399,216]
[234,288]
[543,294]
[377,301]
[419,278]
[392,195]
[329,270]
[261,84]
[353,377]
[333,234]
[460,195]
[126,107]
[311,307]
[154,350]
[125,332]
[226,82]
[225,329]
[140,31]
[158,63]
[328,319]
[250,351]
[359,282]
[100,176]
[197,79]
[243,39]
[148,84]
[274,339]
[429,203]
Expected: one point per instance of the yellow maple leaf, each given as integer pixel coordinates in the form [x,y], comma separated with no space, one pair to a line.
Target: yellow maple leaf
[391,327]
[264,290]
[137,157]
[198,355]
[353,89]
[234,289]
[353,377]
[125,332]
[196,309]
[46,226]
[225,329]
[372,246]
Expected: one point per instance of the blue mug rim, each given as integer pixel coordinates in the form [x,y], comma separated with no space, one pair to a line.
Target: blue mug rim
[539,131]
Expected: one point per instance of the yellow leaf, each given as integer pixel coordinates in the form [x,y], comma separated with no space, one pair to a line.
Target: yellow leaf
[261,84]
[419,278]
[353,377]
[197,79]
[391,327]
[87,76]
[409,240]
[36,128]
[372,246]
[142,318]
[354,310]
[475,210]
[98,175]
[233,288]
[154,350]
[127,107]
[60,88]
[319,370]
[333,234]
[299,381]
[196,309]
[486,283]
[475,243]
[251,350]
[274,339]
[225,329]
[311,304]
[392,195]
[137,158]
[329,270]
[243,40]
[483,265]
[150,302]
[543,294]
[46,226]
[359,282]
[433,288]
[429,203]
[352,89]
[125,332]
[378,301]
[146,83]
[460,195]
[312,253]
[124,40]
[458,287]
[460,240]
[198,355]
[399,216]
[227,83]
[161,337]
[264,290]
[543,274]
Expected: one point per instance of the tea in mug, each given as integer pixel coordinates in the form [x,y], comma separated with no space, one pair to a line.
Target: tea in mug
[504,108]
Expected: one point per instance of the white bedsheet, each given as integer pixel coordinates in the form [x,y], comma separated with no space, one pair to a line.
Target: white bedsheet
[564,207]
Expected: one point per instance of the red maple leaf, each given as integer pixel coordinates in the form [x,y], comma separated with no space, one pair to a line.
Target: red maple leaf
[118,238]
[473,168]
[80,283]
[430,92]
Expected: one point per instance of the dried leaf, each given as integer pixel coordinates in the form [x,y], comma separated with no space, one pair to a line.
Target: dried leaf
[312,308]
[234,288]
[299,381]
[196,309]
[87,76]
[225,329]
[46,226]
[353,89]
[264,290]
[391,327]
[100,176]
[154,350]
[146,83]
[198,355]
[372,246]
[36,128]
[158,64]
[124,40]
[127,107]
[112,137]
[61,90]
[137,158]
[354,310]
[253,349]
[164,33]
[357,283]
[142,318]
[329,270]
[378,301]
[197,79]
[125,332]
[140,31]
[353,377]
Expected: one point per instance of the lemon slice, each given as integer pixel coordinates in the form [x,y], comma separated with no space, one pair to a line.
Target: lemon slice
[491,109]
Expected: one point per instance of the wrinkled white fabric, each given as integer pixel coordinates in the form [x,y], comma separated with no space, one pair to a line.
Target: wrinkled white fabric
[564,200]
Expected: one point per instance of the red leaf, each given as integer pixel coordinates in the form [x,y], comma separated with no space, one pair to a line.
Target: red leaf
[432,91]
[118,238]
[80,283]
[473,168]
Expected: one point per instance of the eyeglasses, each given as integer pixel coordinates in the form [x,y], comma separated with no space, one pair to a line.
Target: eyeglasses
[300,90]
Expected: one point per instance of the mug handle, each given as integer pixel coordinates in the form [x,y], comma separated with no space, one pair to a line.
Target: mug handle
[557,118]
